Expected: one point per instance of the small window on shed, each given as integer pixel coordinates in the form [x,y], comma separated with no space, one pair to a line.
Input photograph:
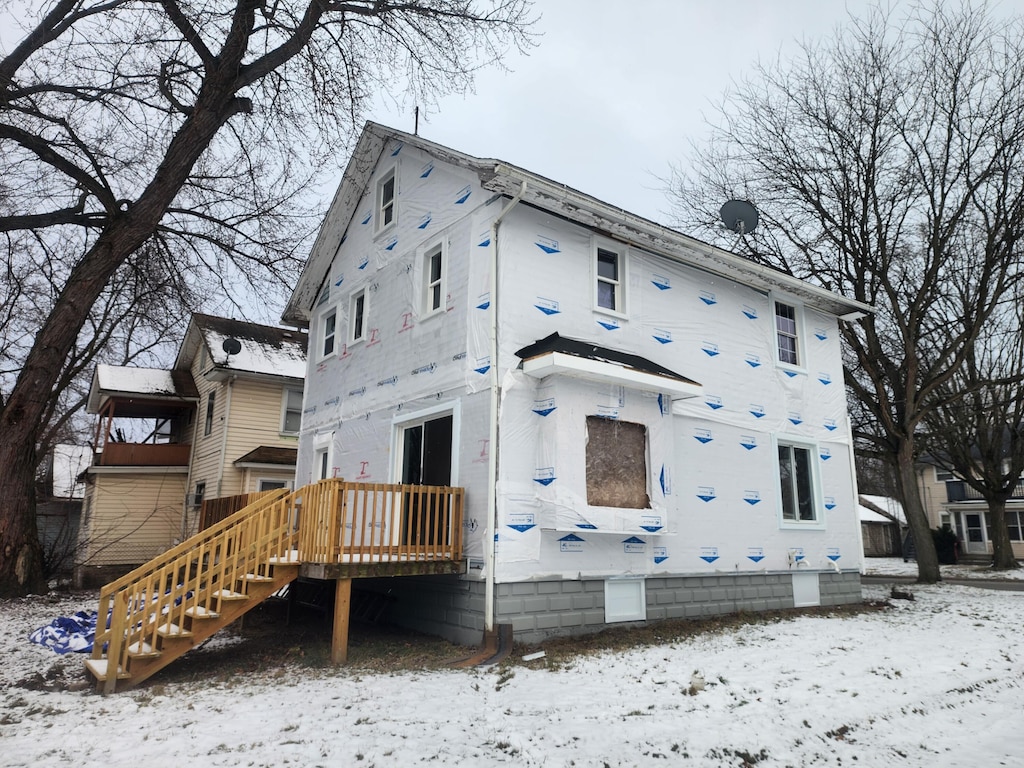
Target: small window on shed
[616,463]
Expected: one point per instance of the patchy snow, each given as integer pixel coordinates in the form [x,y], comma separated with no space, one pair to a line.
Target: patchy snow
[894,566]
[935,682]
[256,357]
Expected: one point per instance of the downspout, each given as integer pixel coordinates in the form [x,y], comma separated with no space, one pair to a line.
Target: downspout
[492,455]
[224,437]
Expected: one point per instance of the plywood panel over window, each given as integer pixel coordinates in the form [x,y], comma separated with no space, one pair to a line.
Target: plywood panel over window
[616,463]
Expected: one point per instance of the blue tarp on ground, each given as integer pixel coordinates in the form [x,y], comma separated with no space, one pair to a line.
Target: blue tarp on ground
[68,634]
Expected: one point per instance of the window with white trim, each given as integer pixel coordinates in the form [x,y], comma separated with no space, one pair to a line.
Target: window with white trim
[1015,524]
[798,482]
[385,204]
[433,279]
[357,316]
[609,278]
[328,328]
[291,411]
[943,475]
[787,334]
[322,463]
[273,485]
[211,400]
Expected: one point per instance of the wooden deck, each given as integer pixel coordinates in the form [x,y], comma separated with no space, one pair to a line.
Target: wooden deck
[329,530]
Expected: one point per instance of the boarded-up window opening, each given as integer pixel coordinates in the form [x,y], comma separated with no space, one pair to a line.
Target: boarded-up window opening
[616,463]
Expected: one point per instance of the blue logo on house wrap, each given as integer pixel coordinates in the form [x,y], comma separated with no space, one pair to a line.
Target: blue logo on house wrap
[426,169]
[796,554]
[710,349]
[651,523]
[830,502]
[634,545]
[709,554]
[570,543]
[750,312]
[661,282]
[521,521]
[714,402]
[424,221]
[607,411]
[547,306]
[703,436]
[484,240]
[789,373]
[547,244]
[398,148]
[795,418]
[706,493]
[665,480]
[428,368]
[825,454]
[483,301]
[392,380]
[544,475]
[748,441]
[830,425]
[390,244]
[364,262]
[366,219]
[662,336]
[708,298]
[339,279]
[757,411]
[660,554]
[754,361]
[756,554]
[544,407]
[463,195]
[752,497]
[664,404]
[483,365]
[832,553]
[608,323]
[820,334]
[825,378]
[587,526]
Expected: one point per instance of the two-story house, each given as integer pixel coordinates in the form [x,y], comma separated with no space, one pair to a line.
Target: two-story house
[646,426]
[224,420]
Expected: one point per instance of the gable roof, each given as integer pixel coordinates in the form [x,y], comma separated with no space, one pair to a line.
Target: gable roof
[266,350]
[509,180]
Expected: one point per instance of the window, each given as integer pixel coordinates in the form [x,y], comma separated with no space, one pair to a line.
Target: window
[357,316]
[433,272]
[329,322]
[322,464]
[610,286]
[797,482]
[1015,524]
[786,335]
[616,463]
[210,401]
[386,201]
[291,411]
[272,485]
[943,476]
[200,493]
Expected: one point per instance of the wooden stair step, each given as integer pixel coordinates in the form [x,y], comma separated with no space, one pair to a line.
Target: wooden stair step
[172,630]
[200,612]
[291,557]
[98,668]
[142,650]
[227,594]
[257,577]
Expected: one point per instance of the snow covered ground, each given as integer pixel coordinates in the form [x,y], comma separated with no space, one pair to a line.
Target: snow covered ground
[934,682]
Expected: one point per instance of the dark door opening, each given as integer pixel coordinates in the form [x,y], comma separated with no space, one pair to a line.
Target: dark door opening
[426,460]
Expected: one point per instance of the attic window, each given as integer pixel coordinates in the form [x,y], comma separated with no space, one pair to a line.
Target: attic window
[386,201]
[330,320]
[616,463]
[357,316]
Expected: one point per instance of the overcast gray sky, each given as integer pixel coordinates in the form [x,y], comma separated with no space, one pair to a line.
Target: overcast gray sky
[616,89]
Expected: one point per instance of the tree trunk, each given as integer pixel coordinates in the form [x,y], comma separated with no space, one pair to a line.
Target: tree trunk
[906,480]
[1002,549]
[21,563]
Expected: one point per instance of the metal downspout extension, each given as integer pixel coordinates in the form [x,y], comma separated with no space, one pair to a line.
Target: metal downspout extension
[492,454]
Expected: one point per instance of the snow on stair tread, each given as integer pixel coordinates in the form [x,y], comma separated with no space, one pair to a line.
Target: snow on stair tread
[291,556]
[227,594]
[98,667]
[173,630]
[142,649]
[257,577]
[201,612]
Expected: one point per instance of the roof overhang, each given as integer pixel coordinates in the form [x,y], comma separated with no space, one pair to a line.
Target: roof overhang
[610,373]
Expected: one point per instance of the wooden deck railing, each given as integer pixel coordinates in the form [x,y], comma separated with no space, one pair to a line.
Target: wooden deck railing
[344,522]
[212,511]
[195,576]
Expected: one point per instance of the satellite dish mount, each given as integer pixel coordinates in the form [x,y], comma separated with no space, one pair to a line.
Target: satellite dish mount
[231,346]
[740,216]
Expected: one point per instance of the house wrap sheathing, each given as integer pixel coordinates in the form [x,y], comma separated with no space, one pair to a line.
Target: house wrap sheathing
[702,475]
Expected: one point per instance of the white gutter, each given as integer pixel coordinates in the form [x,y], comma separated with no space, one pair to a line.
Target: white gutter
[492,455]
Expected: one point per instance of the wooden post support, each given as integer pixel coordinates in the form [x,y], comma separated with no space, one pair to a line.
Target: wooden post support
[339,638]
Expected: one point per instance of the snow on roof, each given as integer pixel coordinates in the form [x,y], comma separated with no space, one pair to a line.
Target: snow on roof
[885,503]
[144,381]
[264,349]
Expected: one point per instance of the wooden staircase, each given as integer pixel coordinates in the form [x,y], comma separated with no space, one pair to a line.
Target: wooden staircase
[162,609]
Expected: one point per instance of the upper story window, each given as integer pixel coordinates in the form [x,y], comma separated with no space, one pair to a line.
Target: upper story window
[433,279]
[610,278]
[357,316]
[211,400]
[798,482]
[328,327]
[291,411]
[385,215]
[787,334]
[943,475]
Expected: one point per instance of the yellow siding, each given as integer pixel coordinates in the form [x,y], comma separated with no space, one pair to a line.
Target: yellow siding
[206,448]
[131,517]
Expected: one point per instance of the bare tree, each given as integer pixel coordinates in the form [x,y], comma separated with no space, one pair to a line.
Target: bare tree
[170,141]
[976,429]
[886,163]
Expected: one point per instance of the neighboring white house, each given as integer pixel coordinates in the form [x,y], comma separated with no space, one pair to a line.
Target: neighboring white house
[646,426]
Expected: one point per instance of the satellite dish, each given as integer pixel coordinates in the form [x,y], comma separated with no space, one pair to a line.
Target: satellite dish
[740,216]
[231,346]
